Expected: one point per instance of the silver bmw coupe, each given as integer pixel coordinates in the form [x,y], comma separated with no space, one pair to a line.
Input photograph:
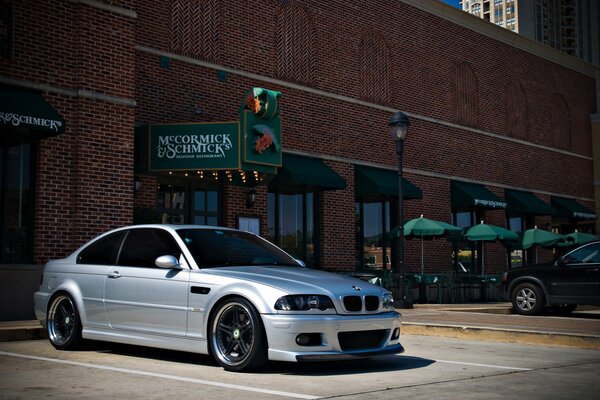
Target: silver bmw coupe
[212,290]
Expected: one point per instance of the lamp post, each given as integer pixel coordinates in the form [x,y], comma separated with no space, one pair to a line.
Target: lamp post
[399,124]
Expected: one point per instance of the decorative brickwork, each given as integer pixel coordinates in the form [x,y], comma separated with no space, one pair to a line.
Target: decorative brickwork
[295,43]
[517,116]
[195,28]
[466,95]
[375,68]
[561,124]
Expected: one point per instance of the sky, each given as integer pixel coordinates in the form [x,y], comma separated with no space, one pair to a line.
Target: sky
[453,3]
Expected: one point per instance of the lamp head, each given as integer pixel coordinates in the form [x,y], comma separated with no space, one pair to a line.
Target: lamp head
[399,124]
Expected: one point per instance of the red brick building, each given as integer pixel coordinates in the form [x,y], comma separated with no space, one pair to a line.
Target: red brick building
[500,126]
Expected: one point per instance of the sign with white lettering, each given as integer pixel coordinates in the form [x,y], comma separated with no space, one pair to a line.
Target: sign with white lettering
[29,121]
[198,146]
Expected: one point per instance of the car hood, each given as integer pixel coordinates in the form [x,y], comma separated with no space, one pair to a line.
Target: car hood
[297,280]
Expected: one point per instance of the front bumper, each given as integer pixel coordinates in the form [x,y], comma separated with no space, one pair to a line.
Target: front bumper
[282,331]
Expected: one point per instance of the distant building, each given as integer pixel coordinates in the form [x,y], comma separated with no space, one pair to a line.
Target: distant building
[567,25]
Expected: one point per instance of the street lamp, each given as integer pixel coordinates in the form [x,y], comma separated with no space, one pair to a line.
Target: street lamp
[399,124]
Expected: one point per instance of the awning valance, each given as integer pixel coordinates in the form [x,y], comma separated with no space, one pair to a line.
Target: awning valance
[301,173]
[27,111]
[370,182]
[570,208]
[520,202]
[468,195]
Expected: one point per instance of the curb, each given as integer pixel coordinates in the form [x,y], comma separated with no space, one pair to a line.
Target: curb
[502,335]
[20,333]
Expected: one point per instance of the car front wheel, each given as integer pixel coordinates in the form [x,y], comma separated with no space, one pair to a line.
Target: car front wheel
[237,339]
[63,323]
[527,299]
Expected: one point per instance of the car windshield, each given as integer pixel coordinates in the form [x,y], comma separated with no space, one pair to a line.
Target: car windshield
[227,248]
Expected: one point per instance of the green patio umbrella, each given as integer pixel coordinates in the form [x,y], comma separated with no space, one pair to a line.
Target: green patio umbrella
[425,228]
[577,238]
[488,233]
[540,237]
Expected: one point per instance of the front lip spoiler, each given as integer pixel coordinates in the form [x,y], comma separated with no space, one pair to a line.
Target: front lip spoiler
[395,349]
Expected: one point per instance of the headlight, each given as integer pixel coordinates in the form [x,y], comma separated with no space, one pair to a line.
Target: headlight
[303,302]
[388,301]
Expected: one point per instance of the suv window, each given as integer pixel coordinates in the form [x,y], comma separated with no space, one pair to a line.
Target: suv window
[586,254]
[143,246]
[103,251]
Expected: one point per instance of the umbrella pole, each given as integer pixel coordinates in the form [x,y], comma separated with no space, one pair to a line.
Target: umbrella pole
[482,259]
[422,263]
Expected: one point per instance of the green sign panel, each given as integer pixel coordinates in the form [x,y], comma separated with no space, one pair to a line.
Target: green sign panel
[261,127]
[198,146]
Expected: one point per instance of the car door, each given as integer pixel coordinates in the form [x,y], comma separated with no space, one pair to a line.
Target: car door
[576,278]
[141,297]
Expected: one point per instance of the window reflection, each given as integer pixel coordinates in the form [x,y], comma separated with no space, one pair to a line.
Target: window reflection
[373,224]
[291,224]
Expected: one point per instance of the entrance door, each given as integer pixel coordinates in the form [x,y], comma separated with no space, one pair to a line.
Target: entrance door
[188,202]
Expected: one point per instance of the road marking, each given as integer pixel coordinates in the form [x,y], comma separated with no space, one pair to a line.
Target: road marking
[163,376]
[483,365]
[470,364]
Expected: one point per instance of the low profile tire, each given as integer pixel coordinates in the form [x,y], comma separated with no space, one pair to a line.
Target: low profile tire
[63,323]
[237,337]
[527,299]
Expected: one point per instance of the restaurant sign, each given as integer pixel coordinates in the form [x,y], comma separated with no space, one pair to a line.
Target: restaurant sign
[194,146]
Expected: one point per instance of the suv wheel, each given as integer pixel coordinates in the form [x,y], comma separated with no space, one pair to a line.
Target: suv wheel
[527,299]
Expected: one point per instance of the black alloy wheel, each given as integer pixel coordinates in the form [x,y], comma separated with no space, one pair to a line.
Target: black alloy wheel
[237,339]
[63,323]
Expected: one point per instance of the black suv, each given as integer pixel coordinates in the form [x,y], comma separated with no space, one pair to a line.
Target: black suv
[558,286]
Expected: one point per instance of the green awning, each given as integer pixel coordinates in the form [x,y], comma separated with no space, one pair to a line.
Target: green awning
[468,195]
[28,113]
[570,208]
[372,182]
[519,202]
[302,173]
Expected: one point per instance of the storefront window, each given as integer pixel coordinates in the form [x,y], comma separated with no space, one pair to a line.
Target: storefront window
[373,224]
[466,252]
[292,225]
[516,224]
[16,202]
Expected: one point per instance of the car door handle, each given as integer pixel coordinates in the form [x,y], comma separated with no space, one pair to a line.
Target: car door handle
[114,275]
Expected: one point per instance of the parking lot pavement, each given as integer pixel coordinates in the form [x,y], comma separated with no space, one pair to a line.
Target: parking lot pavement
[432,367]
[488,321]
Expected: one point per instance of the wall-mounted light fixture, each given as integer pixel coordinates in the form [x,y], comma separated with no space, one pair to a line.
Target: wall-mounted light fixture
[251,198]
[137,184]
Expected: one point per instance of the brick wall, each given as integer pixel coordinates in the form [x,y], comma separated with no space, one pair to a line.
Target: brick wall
[86,175]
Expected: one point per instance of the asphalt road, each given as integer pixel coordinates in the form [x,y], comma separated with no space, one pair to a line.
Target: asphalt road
[432,367]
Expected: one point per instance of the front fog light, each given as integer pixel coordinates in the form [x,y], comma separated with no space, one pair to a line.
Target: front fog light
[396,334]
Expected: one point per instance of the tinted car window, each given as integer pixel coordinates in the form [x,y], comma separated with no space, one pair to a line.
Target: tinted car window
[586,254]
[103,251]
[143,246]
[223,248]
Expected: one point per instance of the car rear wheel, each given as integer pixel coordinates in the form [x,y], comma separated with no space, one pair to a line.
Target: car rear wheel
[527,299]
[63,323]
[237,339]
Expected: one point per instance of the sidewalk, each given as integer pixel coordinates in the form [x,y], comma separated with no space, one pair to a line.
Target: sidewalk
[494,321]
[490,321]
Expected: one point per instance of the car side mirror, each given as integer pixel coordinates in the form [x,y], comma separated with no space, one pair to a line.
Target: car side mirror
[167,262]
[560,262]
